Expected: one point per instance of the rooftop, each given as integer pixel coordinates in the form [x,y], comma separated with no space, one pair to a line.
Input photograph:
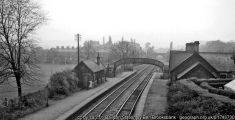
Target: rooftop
[93,66]
[220,61]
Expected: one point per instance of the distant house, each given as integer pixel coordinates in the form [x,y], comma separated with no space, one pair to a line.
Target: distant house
[90,71]
[192,63]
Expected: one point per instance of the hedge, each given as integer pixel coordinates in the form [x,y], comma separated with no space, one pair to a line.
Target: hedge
[209,81]
[205,93]
[31,102]
[218,91]
[188,99]
[183,101]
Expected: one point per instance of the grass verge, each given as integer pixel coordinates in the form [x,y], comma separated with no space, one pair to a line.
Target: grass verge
[61,84]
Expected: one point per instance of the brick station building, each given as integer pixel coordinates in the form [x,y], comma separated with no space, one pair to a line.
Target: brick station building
[192,63]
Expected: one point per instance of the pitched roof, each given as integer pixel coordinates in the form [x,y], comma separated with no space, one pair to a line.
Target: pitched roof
[93,66]
[220,61]
[187,70]
[191,68]
[177,57]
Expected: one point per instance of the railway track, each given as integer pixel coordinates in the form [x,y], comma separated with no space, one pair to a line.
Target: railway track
[98,110]
[112,108]
[128,107]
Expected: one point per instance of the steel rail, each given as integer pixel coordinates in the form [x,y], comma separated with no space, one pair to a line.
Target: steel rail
[103,111]
[130,81]
[129,110]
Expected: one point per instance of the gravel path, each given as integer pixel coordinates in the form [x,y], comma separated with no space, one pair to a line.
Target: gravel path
[61,106]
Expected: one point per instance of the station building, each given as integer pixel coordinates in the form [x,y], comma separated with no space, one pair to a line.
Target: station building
[89,71]
[192,63]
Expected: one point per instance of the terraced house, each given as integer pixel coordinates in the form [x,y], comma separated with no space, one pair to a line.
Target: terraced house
[192,63]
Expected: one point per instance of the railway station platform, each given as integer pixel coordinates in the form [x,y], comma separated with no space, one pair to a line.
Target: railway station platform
[61,109]
[154,98]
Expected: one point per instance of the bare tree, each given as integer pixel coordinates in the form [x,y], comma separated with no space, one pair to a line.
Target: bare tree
[18,21]
[90,48]
[149,50]
[120,50]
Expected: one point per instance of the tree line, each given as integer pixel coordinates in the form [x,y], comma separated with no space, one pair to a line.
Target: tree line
[218,46]
[20,55]
[108,51]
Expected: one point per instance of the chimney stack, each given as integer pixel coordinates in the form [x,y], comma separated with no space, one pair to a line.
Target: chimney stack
[193,46]
[233,56]
[98,59]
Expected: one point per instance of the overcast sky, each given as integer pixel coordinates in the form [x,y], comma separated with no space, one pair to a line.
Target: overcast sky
[156,21]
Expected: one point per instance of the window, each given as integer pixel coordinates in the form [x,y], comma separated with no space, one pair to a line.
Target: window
[223,75]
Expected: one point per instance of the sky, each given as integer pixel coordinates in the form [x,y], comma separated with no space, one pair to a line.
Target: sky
[156,21]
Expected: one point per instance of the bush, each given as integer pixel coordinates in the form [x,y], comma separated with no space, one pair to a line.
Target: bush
[181,100]
[63,83]
[178,92]
[190,107]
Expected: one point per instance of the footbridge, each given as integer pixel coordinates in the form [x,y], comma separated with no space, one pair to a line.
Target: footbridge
[137,60]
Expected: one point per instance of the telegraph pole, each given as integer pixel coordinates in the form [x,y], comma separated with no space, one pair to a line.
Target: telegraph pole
[78,37]
[134,48]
